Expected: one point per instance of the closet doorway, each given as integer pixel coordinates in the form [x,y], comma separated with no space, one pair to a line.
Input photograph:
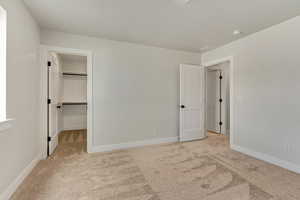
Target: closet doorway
[218,98]
[68,90]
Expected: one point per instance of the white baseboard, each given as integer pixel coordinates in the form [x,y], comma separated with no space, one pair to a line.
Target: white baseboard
[17,182]
[270,159]
[112,147]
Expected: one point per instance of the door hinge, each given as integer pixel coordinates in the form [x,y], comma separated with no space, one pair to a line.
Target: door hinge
[49,139]
[220,100]
[49,63]
[49,101]
[220,77]
[220,123]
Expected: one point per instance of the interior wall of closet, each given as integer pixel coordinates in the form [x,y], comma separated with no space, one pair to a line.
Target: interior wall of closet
[72,92]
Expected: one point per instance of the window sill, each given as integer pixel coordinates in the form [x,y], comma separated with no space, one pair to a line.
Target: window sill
[6,124]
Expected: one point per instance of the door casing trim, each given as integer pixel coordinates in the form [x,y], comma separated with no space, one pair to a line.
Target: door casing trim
[229,59]
[44,50]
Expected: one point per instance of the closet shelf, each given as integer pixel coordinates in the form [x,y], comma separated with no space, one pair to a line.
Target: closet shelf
[74,74]
[73,103]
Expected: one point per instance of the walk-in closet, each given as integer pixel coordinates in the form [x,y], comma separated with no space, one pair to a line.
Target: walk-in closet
[67,107]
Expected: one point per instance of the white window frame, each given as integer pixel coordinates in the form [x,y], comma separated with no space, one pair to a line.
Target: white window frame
[4,122]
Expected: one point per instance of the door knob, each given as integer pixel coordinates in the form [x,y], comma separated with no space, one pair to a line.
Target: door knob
[182,106]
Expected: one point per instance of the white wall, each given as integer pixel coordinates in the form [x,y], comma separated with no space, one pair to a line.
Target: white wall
[267,85]
[19,145]
[74,89]
[74,63]
[74,117]
[136,88]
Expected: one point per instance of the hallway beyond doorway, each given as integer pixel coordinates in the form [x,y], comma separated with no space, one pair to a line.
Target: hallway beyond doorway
[218,98]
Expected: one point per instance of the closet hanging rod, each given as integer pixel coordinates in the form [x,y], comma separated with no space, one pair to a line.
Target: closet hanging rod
[74,103]
[214,70]
[74,74]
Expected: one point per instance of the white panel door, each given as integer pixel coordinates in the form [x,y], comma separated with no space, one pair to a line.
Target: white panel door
[54,77]
[192,99]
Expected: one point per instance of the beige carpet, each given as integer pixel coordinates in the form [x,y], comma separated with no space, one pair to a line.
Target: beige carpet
[201,170]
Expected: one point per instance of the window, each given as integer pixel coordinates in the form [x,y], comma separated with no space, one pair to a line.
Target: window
[2,64]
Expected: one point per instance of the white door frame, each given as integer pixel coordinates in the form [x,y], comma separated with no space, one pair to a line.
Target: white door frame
[44,96]
[231,85]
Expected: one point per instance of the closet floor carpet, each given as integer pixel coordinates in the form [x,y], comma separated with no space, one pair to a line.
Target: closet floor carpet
[200,170]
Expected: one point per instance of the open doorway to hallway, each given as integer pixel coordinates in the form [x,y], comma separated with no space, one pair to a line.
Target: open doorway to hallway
[218,98]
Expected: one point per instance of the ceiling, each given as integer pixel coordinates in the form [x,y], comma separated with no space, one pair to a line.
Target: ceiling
[196,26]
